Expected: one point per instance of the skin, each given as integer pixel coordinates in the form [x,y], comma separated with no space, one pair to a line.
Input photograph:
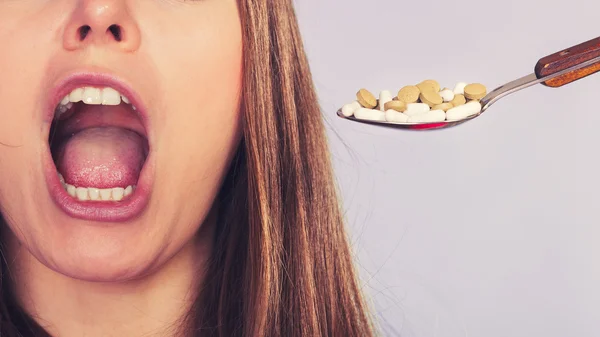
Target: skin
[184,59]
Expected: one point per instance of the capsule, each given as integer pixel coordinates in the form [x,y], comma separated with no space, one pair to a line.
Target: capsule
[463,111]
[349,109]
[428,117]
[459,89]
[384,97]
[416,108]
[370,114]
[447,95]
[394,116]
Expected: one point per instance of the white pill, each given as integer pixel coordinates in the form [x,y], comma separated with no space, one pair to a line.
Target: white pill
[394,116]
[447,95]
[463,111]
[459,89]
[370,114]
[349,109]
[416,108]
[428,117]
[384,97]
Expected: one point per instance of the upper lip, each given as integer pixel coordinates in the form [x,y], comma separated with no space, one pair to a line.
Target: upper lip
[96,79]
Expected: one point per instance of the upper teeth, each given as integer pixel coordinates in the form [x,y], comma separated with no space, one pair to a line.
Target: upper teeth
[92,96]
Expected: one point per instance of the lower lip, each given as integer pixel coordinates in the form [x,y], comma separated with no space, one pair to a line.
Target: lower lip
[102,211]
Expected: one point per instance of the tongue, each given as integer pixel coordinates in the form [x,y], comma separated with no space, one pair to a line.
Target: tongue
[102,157]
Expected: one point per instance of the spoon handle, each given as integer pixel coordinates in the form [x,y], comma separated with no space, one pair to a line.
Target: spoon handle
[569,57]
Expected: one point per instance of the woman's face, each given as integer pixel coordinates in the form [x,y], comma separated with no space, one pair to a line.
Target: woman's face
[148,96]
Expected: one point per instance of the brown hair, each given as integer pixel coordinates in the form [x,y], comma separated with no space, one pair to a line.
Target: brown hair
[281,265]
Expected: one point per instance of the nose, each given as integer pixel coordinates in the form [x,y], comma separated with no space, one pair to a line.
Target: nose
[102,22]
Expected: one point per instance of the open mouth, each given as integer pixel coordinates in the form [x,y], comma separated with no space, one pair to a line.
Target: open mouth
[99,147]
[98,144]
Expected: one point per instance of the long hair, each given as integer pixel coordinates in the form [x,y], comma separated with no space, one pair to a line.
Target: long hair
[281,264]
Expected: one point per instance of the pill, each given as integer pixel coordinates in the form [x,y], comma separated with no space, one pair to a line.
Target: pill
[428,117]
[429,85]
[348,109]
[459,100]
[463,111]
[384,97]
[416,108]
[409,94]
[475,91]
[424,99]
[447,95]
[370,114]
[459,89]
[395,105]
[366,99]
[443,106]
[431,98]
[394,116]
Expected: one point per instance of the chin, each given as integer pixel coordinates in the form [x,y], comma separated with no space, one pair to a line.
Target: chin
[88,255]
[100,270]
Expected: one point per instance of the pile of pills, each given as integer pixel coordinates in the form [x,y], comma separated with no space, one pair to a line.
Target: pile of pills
[421,103]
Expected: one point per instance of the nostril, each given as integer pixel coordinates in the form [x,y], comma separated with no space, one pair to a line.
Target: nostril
[83,32]
[116,32]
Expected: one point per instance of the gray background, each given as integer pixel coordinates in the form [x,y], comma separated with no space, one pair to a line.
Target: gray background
[490,229]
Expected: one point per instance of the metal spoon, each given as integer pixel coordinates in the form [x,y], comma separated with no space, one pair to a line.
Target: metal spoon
[554,71]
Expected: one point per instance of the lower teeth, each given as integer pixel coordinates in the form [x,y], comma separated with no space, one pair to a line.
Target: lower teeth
[96,194]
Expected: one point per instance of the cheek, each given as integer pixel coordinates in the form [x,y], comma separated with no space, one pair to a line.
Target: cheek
[18,64]
[198,120]
[205,96]
[21,64]
[204,83]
